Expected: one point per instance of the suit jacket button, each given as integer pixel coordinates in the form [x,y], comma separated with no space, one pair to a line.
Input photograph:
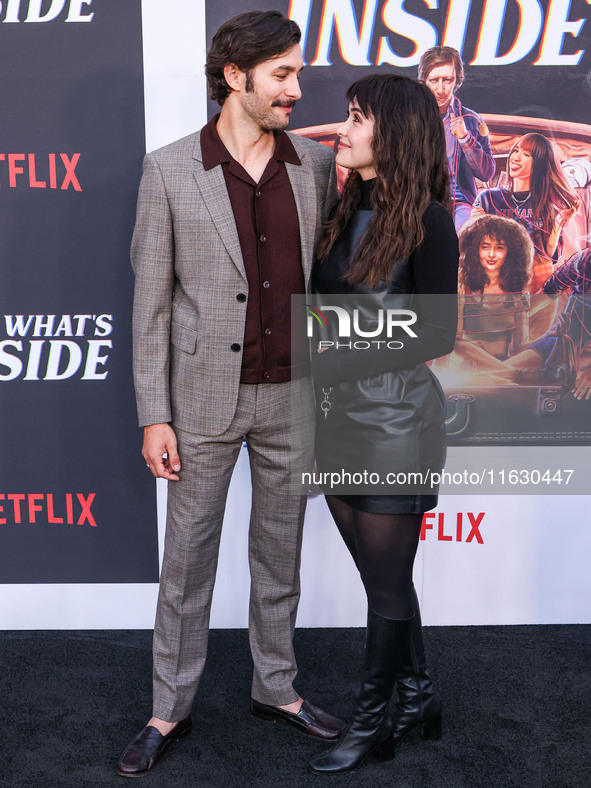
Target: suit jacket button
[241,297]
[235,347]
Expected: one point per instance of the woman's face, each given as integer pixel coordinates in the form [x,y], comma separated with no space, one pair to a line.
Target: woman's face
[520,162]
[354,151]
[492,254]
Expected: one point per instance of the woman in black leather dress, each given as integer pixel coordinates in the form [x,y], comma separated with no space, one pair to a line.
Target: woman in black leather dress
[390,241]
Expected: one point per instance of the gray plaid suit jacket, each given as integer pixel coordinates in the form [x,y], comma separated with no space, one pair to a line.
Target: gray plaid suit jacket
[189,270]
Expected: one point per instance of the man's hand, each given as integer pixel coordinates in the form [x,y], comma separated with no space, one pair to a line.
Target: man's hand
[582,387]
[160,440]
[458,127]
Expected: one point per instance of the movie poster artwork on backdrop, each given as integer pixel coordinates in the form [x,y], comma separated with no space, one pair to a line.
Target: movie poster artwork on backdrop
[76,502]
[520,182]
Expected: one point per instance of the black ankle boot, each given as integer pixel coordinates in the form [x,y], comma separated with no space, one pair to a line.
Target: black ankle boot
[418,706]
[370,730]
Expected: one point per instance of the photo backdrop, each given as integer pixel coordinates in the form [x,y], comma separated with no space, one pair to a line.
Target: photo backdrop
[73,85]
[77,507]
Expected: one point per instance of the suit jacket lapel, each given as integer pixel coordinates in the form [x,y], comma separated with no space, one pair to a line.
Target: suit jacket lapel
[212,185]
[303,184]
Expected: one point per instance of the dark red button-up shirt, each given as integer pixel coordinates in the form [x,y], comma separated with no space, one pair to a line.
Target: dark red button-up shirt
[269,234]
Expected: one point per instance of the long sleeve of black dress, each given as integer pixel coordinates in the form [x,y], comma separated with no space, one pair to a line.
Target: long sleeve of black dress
[434,266]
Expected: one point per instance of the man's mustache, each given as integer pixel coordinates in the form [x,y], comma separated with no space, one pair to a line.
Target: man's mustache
[280,103]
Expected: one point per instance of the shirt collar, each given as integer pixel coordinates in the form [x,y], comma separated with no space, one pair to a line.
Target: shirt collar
[284,149]
[214,151]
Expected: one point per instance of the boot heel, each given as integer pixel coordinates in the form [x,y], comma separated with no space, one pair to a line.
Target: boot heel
[431,728]
[385,751]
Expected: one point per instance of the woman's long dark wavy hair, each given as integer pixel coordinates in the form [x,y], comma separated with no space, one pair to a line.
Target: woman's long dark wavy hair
[410,160]
[549,188]
[516,269]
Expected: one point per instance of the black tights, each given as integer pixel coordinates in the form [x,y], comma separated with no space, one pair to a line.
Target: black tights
[383,547]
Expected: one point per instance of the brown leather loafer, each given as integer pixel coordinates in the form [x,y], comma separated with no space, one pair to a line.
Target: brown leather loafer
[309,720]
[148,747]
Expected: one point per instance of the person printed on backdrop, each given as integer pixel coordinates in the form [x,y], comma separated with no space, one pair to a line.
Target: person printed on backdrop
[496,256]
[495,265]
[390,238]
[494,345]
[469,151]
[538,196]
[574,277]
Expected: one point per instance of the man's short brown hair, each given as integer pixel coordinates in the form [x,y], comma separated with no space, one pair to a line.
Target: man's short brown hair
[247,40]
[441,56]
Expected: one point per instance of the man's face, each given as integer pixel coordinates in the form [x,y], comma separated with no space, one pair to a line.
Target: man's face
[441,81]
[272,89]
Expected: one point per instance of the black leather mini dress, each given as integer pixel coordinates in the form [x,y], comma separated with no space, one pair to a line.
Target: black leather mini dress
[379,410]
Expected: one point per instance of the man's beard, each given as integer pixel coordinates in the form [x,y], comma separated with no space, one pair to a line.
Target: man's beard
[261,113]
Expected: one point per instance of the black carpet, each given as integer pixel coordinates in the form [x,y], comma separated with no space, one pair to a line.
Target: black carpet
[516,704]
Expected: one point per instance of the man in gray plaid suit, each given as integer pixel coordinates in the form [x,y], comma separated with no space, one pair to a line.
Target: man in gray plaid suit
[226,225]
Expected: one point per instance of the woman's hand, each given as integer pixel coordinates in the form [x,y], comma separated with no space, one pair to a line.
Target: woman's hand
[564,216]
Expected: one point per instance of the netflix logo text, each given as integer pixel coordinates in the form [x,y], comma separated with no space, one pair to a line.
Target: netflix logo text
[37,348]
[35,171]
[46,509]
[461,528]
